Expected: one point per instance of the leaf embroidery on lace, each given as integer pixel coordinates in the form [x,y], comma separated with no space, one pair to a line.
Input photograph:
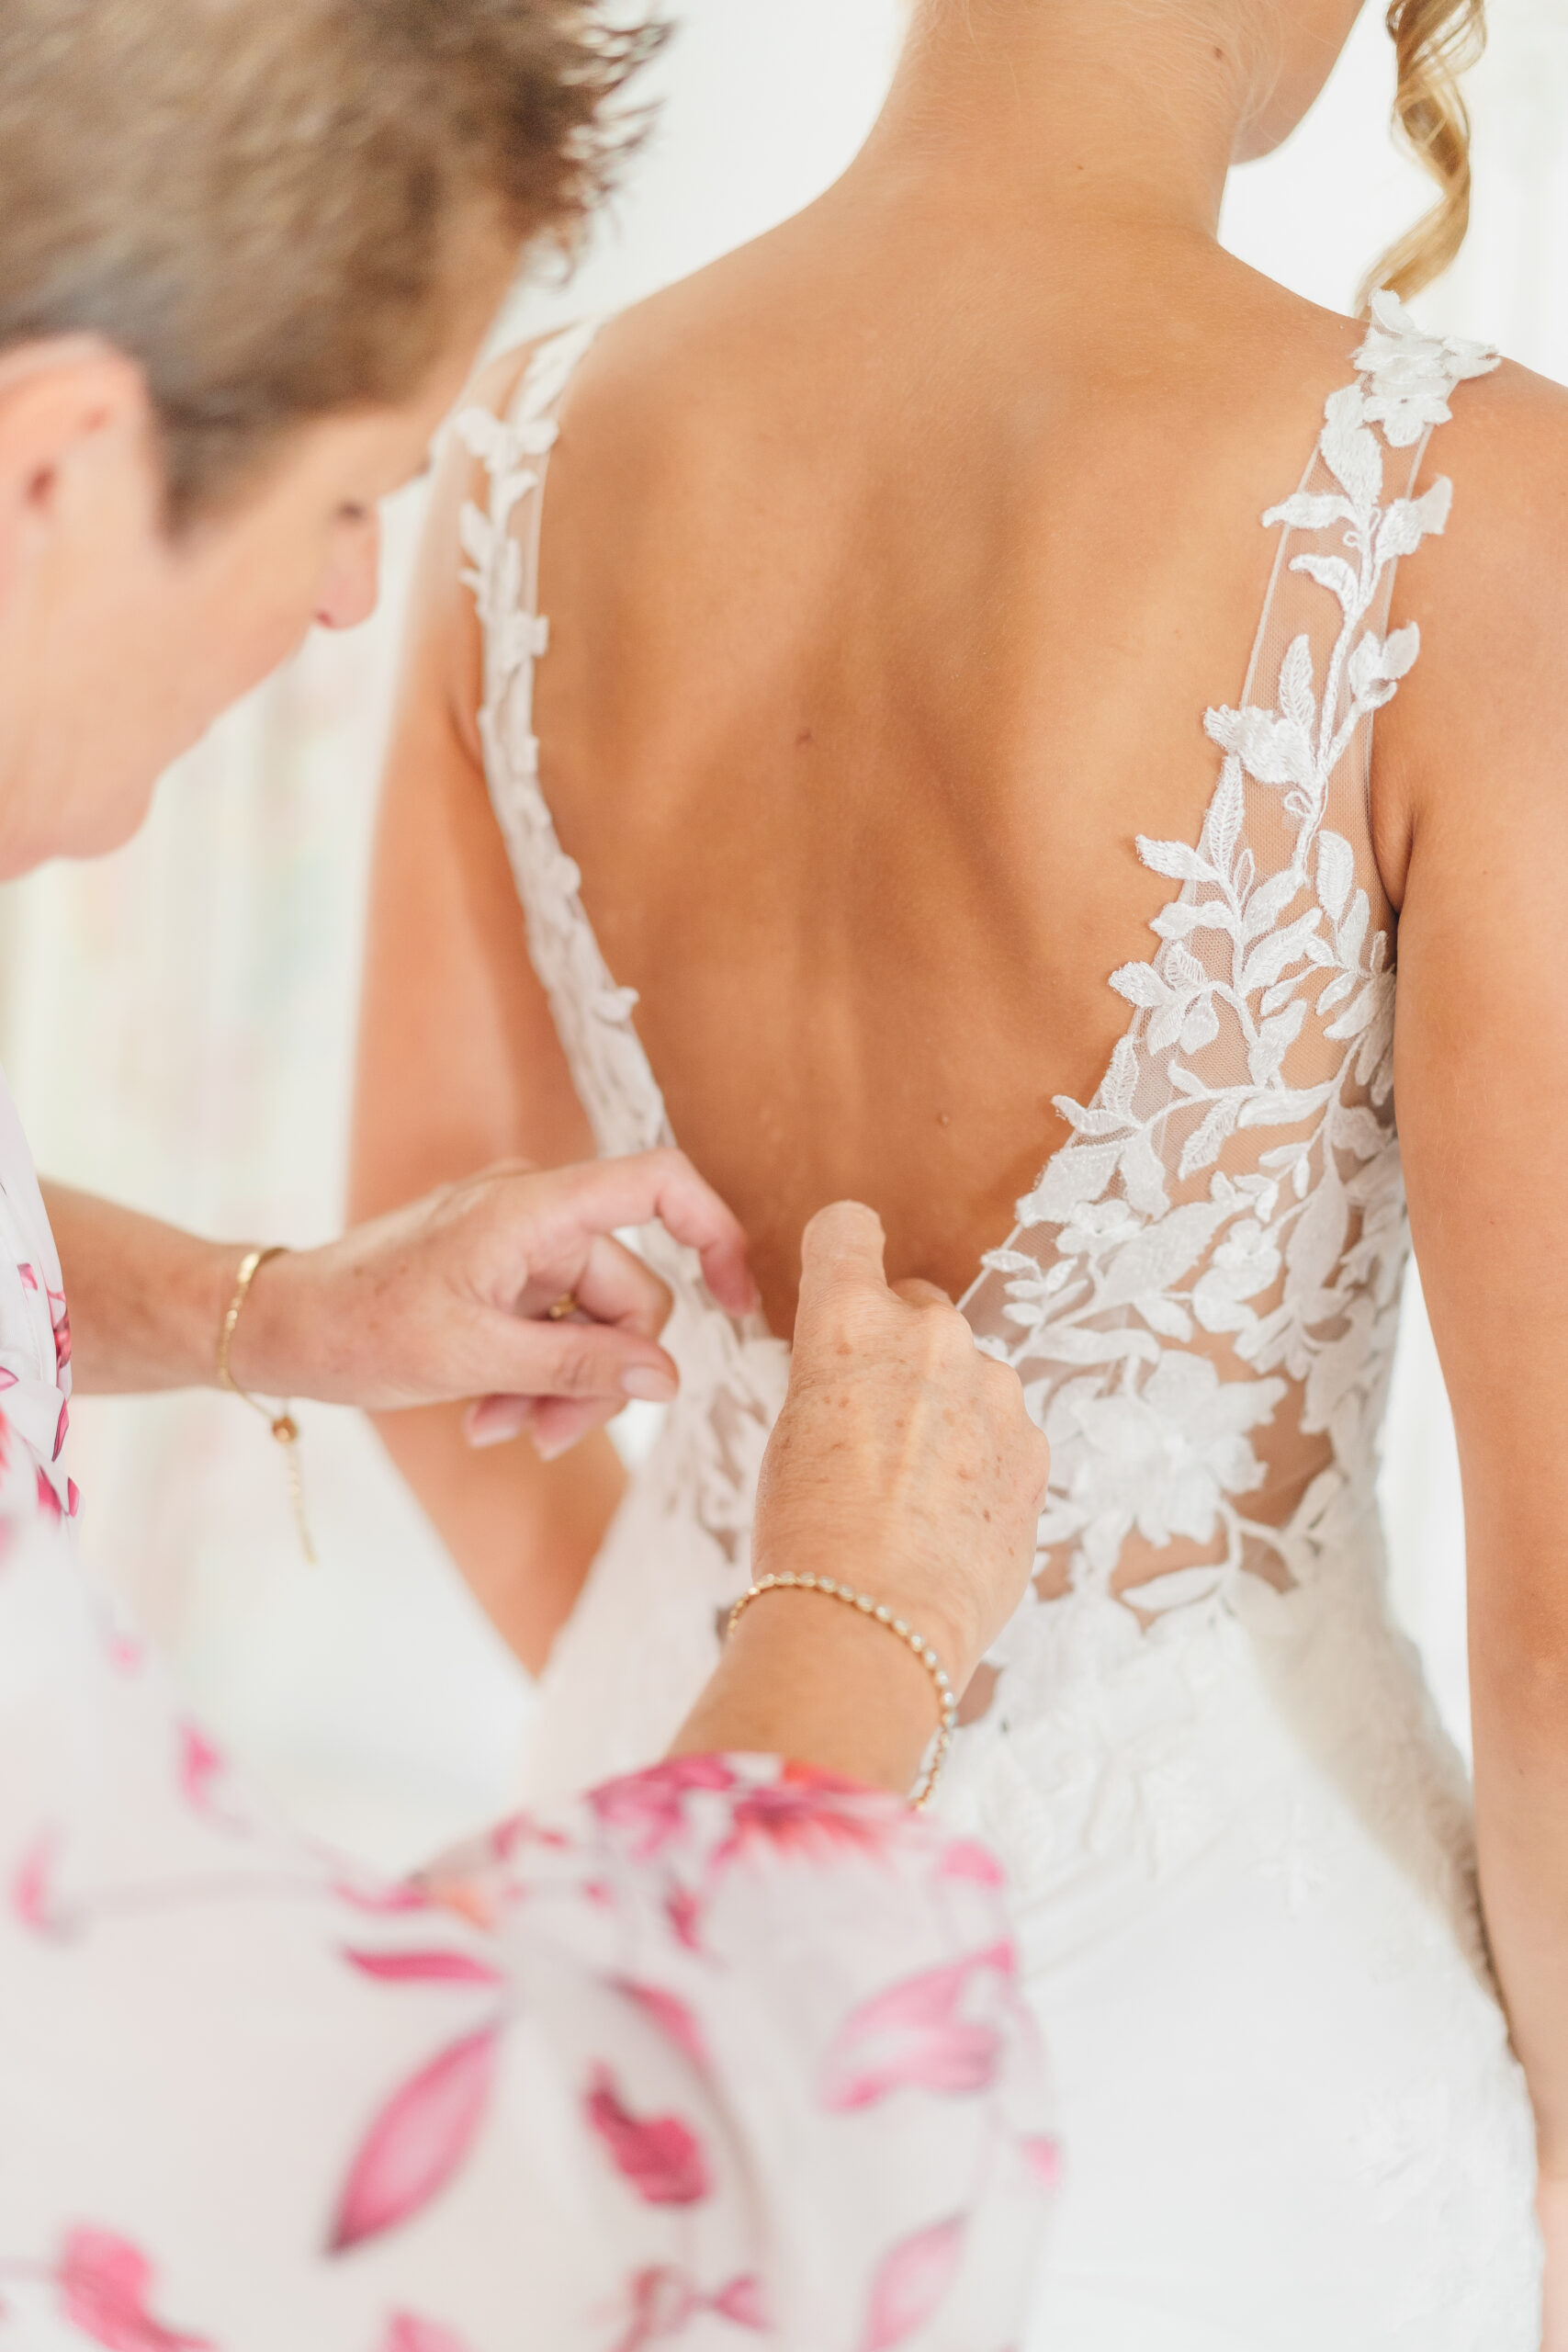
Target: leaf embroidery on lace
[732,1376]
[1236,1178]
[1266,1010]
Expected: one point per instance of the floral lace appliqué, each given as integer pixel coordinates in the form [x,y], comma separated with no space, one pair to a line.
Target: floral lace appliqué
[1216,1253]
[733,1374]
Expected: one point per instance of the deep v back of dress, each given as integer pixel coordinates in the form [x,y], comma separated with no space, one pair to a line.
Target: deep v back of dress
[1239,1842]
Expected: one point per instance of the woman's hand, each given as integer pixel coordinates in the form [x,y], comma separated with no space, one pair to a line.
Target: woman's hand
[904,1464]
[904,1461]
[450,1298]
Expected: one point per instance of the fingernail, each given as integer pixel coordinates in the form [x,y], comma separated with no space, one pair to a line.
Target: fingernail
[483,1427]
[647,1383]
[494,1433]
[550,1449]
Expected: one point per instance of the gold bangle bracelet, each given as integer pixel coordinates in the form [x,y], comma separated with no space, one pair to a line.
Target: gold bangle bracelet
[282,1423]
[880,1614]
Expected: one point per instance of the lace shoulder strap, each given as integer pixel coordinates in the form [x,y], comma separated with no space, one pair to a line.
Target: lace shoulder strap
[501,540]
[733,1373]
[1200,1291]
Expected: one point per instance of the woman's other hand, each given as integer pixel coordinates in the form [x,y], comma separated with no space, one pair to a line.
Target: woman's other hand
[450,1298]
[904,1465]
[904,1461]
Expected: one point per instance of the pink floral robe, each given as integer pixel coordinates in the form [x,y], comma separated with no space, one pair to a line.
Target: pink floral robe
[726,2053]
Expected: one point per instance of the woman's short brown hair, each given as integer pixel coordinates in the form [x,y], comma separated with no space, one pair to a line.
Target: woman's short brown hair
[264,201]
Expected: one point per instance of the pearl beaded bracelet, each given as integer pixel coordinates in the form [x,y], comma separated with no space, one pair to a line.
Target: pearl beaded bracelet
[880,1614]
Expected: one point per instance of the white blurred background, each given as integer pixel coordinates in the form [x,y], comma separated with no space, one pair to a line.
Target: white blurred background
[177,1020]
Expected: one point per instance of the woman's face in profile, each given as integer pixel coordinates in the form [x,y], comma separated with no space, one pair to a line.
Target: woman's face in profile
[151,636]
[127,639]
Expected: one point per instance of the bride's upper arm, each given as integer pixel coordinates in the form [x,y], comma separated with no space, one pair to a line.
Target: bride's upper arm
[1475,765]
[458,1063]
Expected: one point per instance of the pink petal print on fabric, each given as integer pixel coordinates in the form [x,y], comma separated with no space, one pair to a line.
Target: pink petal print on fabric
[61,1332]
[671,2015]
[911,2283]
[8,1379]
[741,2302]
[1044,2156]
[663,2304]
[423,1967]
[913,2038]
[660,2155]
[684,1914]
[650,1807]
[418,2141]
[32,1890]
[29,1280]
[200,1765]
[48,1501]
[509,1839]
[61,1428]
[802,1819]
[104,2283]
[201,1772]
[122,1650]
[407,2332]
[965,1858]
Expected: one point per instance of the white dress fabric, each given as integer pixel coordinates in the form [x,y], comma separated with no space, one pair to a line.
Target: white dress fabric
[722,2054]
[1240,1841]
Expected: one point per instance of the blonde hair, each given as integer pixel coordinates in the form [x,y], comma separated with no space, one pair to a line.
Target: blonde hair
[1436,41]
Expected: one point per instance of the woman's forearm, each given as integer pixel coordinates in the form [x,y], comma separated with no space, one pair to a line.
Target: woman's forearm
[147,1306]
[904,1465]
[147,1301]
[806,1677]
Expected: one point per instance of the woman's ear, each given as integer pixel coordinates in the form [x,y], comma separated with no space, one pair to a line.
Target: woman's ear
[75,437]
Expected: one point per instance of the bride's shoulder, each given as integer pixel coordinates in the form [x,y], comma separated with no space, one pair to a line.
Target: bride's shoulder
[495,385]
[1494,585]
[1478,731]
[613,368]
[528,374]
[1495,572]
[1506,433]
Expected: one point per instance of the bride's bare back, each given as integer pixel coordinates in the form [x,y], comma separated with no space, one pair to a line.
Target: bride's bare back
[891,566]
[882,618]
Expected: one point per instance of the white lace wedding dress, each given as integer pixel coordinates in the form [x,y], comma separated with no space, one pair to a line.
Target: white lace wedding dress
[1239,1842]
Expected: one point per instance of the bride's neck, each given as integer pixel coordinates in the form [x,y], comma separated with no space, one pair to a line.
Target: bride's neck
[1105,112]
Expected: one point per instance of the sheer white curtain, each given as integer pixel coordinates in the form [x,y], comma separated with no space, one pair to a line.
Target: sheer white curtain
[177,1020]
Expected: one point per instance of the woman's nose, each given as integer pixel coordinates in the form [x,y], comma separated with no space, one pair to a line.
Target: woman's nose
[353,580]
